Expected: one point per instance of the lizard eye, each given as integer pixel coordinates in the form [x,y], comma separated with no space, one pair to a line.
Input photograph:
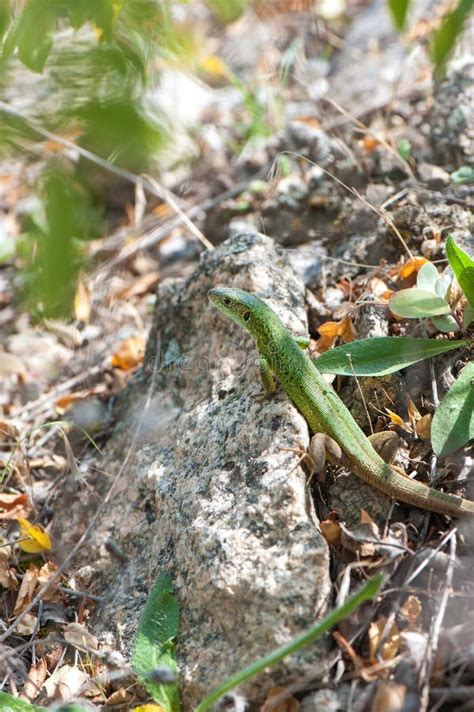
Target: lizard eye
[227,302]
[246,316]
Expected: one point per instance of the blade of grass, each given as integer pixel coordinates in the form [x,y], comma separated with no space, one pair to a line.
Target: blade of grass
[365,593]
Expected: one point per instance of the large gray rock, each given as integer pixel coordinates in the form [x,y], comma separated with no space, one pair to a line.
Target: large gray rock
[210,494]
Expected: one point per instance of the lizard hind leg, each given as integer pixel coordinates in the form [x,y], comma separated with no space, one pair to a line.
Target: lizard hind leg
[386,444]
[323,448]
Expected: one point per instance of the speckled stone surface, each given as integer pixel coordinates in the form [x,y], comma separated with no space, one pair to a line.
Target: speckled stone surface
[210,494]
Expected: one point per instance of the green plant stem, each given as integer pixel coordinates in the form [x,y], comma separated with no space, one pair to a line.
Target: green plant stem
[366,592]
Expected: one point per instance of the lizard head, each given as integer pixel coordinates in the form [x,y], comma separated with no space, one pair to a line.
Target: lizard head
[247,310]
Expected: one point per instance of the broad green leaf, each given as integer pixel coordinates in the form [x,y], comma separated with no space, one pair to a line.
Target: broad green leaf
[32,34]
[468,316]
[399,10]
[427,277]
[153,646]
[463,268]
[445,323]
[381,355]
[365,593]
[417,303]
[453,422]
[444,39]
[8,703]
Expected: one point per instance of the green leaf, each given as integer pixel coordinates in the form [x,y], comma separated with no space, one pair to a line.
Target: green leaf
[463,268]
[365,593]
[444,39]
[399,10]
[381,355]
[8,703]
[404,148]
[4,16]
[417,303]
[442,286]
[427,277]
[465,174]
[32,34]
[445,323]
[153,646]
[468,316]
[453,422]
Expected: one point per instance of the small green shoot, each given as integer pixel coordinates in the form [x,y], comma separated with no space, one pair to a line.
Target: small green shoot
[365,593]
[153,646]
[465,174]
[453,421]
[381,355]
[404,149]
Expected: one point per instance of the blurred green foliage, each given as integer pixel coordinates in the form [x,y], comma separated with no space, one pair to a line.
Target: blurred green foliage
[398,10]
[95,59]
[64,216]
[228,10]
[443,40]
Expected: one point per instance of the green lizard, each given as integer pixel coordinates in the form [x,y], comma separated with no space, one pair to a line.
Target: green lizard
[283,355]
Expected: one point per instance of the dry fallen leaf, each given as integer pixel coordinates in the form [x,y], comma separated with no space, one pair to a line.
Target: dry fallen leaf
[397,421]
[389,697]
[411,268]
[391,645]
[28,585]
[82,302]
[423,426]
[8,577]
[369,143]
[79,637]
[347,330]
[145,283]
[129,353]
[14,506]
[279,699]
[118,697]
[411,609]
[365,518]
[35,680]
[65,683]
[331,531]
[46,572]
[377,287]
[9,433]
[28,625]
[37,539]
[331,330]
